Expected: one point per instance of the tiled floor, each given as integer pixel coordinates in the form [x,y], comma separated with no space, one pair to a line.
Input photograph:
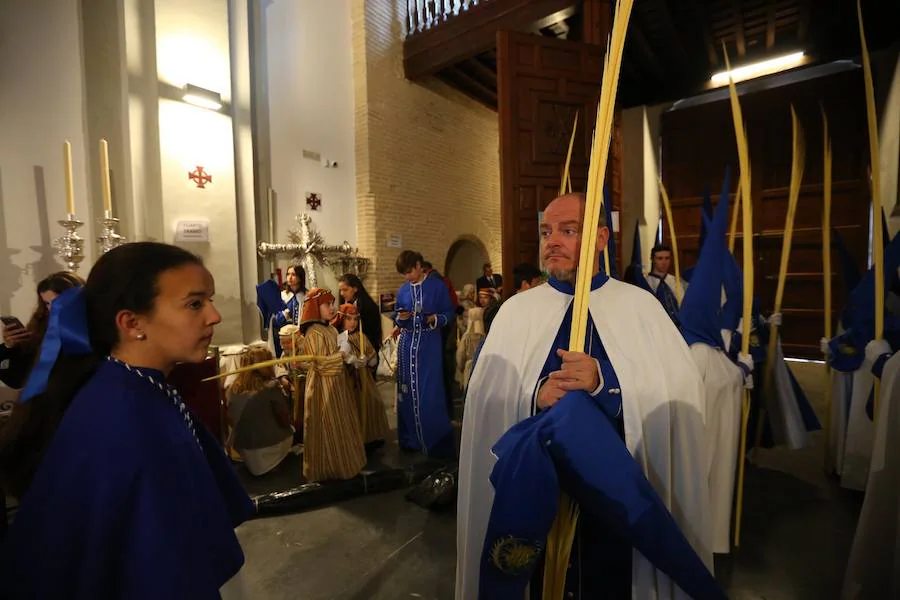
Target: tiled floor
[797,529]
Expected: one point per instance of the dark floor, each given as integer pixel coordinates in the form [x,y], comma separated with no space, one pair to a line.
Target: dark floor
[797,530]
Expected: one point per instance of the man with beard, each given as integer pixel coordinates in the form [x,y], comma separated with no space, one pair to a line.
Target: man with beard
[616,406]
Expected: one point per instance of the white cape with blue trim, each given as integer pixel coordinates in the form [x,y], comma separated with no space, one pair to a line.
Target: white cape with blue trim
[663,402]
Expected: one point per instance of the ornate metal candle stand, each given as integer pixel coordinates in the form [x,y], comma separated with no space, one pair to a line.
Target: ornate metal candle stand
[70,247]
[109,238]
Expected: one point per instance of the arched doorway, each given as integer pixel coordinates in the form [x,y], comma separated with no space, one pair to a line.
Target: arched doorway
[465,258]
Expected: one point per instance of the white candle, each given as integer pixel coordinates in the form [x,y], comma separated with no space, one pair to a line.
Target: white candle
[104,176]
[70,190]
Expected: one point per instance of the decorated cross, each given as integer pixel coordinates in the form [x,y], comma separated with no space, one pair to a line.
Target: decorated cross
[313,200]
[200,177]
[309,246]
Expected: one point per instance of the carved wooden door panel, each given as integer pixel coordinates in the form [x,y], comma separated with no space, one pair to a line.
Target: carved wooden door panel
[542,84]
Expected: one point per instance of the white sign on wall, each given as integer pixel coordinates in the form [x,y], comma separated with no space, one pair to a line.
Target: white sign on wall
[196,230]
[394,240]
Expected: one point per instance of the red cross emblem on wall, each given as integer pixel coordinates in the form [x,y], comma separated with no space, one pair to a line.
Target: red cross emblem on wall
[200,177]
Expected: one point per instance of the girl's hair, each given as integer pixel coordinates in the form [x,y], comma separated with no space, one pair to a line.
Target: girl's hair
[124,278]
[301,277]
[56,283]
[362,296]
[250,382]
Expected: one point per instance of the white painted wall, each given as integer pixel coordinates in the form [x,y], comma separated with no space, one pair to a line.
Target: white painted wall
[41,105]
[192,46]
[311,107]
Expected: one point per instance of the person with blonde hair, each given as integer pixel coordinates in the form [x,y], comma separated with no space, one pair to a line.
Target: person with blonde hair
[468,345]
[360,359]
[261,427]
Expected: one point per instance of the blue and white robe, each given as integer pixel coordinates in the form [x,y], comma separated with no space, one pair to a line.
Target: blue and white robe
[423,422]
[662,422]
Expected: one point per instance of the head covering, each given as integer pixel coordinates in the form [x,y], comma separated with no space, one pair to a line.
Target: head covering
[700,310]
[637,263]
[468,292]
[314,299]
[345,310]
[67,332]
[858,317]
[269,303]
[476,321]
[486,294]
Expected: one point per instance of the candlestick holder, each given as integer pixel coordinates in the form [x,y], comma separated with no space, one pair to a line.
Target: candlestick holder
[109,237]
[70,247]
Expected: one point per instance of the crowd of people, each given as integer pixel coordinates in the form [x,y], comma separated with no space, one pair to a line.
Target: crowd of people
[646,446]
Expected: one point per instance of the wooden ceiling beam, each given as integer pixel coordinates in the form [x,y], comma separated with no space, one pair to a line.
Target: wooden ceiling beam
[470,86]
[739,39]
[481,72]
[680,54]
[475,31]
[702,16]
[770,24]
[646,52]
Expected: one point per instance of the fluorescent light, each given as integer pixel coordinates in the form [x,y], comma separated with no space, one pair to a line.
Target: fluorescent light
[758,69]
[202,97]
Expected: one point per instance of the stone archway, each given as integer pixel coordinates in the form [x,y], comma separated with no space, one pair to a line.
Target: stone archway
[464,261]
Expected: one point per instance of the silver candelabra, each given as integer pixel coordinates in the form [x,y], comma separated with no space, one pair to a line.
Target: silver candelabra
[70,247]
[110,238]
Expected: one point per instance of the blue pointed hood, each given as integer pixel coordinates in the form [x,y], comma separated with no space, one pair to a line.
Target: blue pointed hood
[733,309]
[706,215]
[636,267]
[700,314]
[859,315]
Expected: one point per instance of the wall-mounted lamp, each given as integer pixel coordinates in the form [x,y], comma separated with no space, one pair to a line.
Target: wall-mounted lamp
[758,69]
[201,97]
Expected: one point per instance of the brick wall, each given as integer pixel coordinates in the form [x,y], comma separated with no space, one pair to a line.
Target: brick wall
[427,157]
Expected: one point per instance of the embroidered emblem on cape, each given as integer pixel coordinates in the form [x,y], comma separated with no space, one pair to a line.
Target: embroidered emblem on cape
[846,349]
[514,556]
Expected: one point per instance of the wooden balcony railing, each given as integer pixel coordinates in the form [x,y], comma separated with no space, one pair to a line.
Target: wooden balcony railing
[427,14]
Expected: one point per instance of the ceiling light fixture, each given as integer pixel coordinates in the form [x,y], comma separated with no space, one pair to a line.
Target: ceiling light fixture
[201,97]
[758,69]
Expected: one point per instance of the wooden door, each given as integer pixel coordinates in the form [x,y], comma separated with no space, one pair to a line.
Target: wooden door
[697,144]
[542,84]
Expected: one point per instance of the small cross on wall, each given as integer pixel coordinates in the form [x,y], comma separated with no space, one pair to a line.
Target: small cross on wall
[313,200]
[200,177]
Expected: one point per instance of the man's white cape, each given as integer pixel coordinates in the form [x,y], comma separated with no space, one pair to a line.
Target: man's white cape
[724,385]
[664,413]
[873,568]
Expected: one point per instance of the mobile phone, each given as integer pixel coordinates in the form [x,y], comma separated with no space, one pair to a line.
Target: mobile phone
[12,322]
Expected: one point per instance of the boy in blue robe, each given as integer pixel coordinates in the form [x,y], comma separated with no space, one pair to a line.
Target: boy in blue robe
[423,308]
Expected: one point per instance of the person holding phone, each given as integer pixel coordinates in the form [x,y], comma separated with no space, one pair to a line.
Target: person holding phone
[21,343]
[423,309]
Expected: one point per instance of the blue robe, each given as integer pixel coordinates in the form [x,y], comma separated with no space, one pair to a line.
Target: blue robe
[578,446]
[125,503]
[423,422]
[294,306]
[666,297]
